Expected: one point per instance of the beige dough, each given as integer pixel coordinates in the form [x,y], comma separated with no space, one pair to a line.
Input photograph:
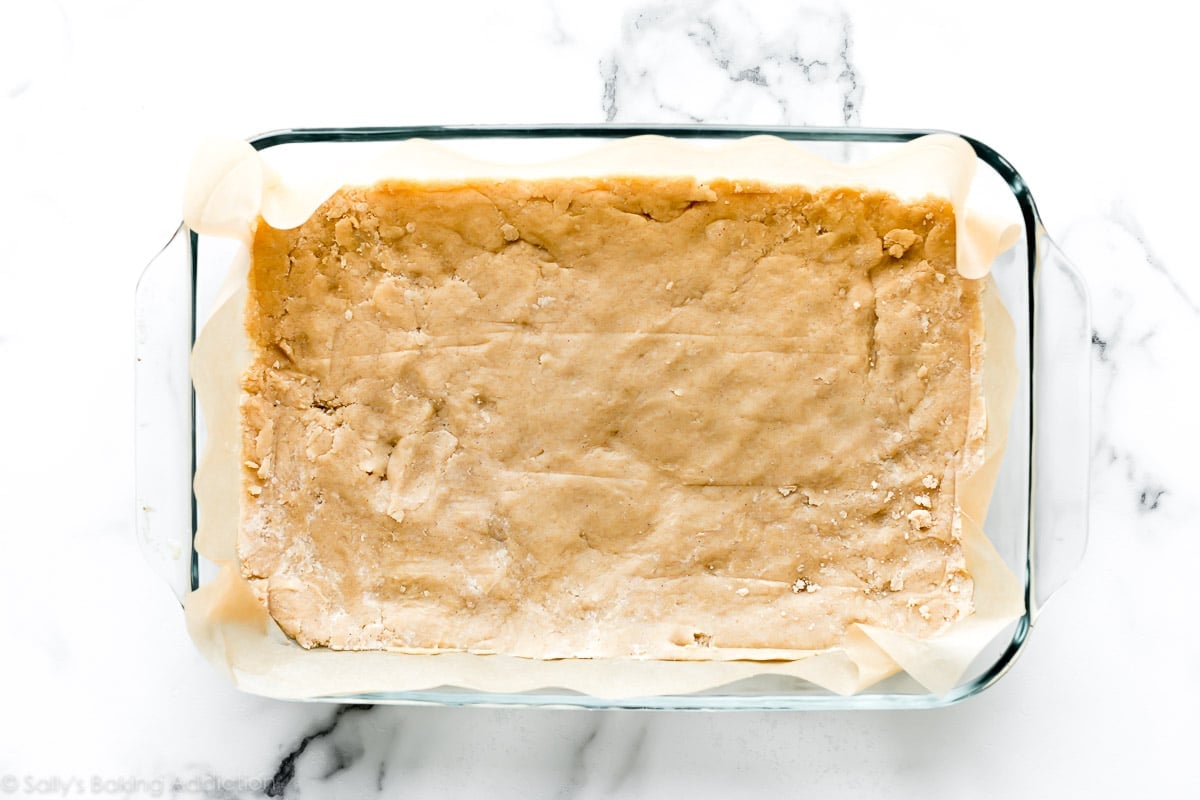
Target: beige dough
[645,417]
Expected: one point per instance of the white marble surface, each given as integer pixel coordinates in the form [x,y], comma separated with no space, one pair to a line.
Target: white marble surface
[101,104]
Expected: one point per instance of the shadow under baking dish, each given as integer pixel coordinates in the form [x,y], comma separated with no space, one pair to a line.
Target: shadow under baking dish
[1037,519]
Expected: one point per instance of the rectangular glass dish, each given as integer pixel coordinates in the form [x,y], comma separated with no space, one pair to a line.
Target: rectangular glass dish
[1037,518]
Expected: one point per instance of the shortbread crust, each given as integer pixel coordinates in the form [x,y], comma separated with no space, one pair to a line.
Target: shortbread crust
[587,417]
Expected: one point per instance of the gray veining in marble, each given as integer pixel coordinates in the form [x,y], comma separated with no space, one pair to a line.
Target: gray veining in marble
[718,62]
[1131,344]
[1124,219]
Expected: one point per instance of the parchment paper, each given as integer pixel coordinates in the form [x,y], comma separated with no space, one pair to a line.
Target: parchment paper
[230,186]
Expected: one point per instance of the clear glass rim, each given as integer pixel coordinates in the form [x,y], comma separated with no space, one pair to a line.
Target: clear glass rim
[708,702]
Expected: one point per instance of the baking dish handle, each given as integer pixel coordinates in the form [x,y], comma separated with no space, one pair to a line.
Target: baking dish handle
[1061,423]
[163,411]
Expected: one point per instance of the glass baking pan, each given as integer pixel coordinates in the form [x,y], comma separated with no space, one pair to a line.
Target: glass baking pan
[1037,519]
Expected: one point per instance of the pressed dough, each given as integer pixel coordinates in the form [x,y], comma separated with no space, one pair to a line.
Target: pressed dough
[608,417]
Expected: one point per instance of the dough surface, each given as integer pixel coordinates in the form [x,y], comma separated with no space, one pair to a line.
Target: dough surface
[608,417]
